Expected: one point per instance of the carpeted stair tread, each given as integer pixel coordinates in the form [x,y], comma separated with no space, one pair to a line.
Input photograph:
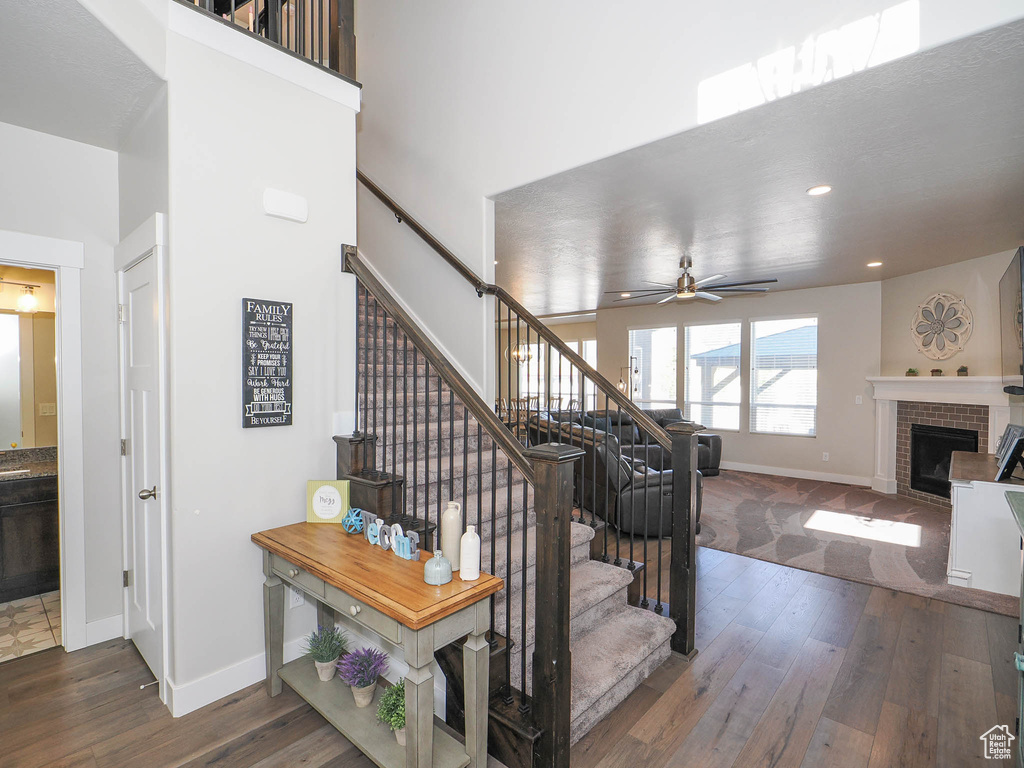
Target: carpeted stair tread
[581,536]
[596,590]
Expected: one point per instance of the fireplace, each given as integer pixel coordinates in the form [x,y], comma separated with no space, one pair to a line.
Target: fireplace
[930,450]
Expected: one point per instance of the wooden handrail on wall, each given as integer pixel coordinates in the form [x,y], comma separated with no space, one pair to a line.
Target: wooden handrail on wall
[641,419]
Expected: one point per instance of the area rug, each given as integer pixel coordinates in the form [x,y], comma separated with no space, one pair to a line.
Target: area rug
[838,530]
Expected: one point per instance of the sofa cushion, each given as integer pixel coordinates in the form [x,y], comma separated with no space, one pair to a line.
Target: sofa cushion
[665,416]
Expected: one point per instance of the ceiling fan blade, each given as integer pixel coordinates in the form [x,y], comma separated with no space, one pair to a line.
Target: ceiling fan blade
[742,290]
[708,296]
[646,296]
[668,298]
[708,279]
[738,283]
[641,291]
[663,285]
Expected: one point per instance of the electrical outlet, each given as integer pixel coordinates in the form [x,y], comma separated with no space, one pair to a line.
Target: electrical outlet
[824,456]
[296,597]
[859,400]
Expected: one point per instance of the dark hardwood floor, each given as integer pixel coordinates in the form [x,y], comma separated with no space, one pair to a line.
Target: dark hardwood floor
[803,670]
[795,669]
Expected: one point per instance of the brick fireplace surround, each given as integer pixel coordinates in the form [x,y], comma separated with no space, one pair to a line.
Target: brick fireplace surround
[968,402]
[973,417]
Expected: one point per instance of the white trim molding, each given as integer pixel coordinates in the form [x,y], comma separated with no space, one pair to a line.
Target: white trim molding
[964,390]
[104,629]
[825,477]
[66,258]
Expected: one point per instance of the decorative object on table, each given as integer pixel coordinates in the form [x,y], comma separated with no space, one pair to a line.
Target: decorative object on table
[1010,435]
[936,371]
[912,371]
[437,570]
[469,556]
[1011,458]
[266,363]
[451,532]
[327,645]
[962,371]
[353,521]
[326,501]
[391,709]
[941,326]
[380,534]
[360,670]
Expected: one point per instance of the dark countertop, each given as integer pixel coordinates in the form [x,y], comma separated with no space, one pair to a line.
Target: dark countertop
[34,469]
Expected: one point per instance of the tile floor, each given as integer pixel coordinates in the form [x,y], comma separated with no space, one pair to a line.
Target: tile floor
[29,625]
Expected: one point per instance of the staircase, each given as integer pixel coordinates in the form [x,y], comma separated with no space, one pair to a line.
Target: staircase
[428,438]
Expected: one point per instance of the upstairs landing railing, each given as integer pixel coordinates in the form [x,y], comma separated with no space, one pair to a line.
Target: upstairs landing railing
[319,31]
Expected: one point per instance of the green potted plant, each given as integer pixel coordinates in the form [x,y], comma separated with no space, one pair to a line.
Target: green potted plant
[360,670]
[391,709]
[961,371]
[936,371]
[326,646]
[912,371]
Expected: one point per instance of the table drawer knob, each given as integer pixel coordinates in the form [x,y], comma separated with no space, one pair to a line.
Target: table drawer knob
[355,609]
[293,572]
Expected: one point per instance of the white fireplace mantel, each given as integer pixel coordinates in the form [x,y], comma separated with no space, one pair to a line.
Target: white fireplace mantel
[964,390]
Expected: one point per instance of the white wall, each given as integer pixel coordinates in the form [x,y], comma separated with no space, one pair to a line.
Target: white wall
[463,100]
[977,282]
[228,483]
[849,333]
[142,167]
[58,188]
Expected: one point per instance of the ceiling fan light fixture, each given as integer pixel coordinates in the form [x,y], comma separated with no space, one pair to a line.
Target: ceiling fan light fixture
[819,189]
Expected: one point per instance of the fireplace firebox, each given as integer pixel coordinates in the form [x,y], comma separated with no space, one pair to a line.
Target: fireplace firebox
[930,451]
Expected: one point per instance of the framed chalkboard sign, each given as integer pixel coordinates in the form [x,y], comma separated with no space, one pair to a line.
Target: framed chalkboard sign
[266,363]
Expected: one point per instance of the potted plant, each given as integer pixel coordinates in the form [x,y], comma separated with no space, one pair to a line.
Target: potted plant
[326,646]
[936,371]
[391,709]
[360,670]
[961,371]
[912,371]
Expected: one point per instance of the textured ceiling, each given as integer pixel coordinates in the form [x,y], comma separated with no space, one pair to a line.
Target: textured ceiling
[65,74]
[926,157]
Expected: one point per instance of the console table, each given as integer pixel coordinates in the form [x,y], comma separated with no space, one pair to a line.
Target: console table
[374,590]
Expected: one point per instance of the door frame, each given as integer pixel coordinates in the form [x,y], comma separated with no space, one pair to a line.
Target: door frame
[67,259]
[150,239]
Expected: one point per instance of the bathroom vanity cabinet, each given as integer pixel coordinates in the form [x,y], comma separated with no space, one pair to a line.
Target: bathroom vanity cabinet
[29,537]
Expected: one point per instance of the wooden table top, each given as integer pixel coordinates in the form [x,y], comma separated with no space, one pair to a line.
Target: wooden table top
[380,579]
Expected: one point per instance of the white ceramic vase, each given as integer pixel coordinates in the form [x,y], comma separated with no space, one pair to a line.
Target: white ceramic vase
[451,532]
[470,555]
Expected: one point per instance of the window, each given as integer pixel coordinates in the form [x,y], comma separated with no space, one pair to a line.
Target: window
[784,376]
[713,384]
[529,359]
[564,378]
[653,376]
[589,388]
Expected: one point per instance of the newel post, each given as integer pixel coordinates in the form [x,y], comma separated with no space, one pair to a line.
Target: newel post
[682,589]
[552,665]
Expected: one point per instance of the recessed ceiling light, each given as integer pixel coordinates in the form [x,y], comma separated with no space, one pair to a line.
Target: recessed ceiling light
[495,263]
[874,263]
[819,189]
[626,295]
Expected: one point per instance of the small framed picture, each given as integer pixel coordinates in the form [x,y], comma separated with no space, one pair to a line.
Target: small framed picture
[1010,435]
[1010,460]
[326,501]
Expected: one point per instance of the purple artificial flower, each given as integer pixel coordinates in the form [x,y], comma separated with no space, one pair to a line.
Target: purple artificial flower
[362,668]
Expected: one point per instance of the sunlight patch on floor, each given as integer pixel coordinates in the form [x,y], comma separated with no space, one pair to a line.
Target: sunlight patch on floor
[858,526]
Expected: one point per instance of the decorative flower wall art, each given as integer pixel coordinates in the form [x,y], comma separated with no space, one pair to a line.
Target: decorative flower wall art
[941,326]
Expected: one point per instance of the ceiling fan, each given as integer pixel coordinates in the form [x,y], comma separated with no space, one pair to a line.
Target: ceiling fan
[687,287]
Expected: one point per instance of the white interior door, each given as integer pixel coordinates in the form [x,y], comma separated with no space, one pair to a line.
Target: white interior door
[140,357]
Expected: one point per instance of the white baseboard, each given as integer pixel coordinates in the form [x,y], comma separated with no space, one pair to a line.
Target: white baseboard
[104,629]
[183,698]
[828,477]
[883,485]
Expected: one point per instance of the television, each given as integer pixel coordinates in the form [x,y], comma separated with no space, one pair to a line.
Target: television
[1011,325]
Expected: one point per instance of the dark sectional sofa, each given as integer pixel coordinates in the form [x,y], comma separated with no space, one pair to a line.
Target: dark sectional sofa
[625,477]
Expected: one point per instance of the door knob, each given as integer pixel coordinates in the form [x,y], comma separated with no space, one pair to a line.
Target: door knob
[147,493]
